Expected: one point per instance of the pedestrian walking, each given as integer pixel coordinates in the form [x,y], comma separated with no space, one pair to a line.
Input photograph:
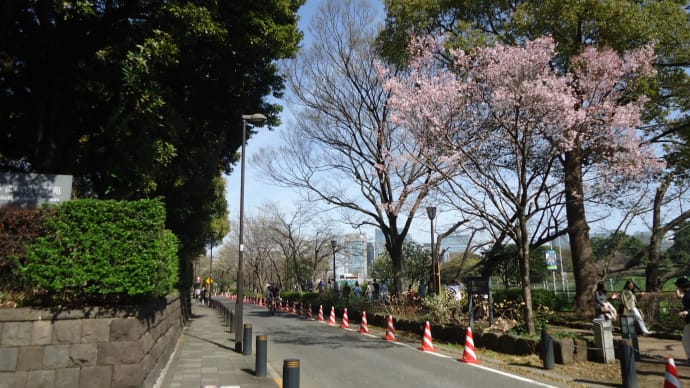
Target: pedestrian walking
[357,290]
[630,306]
[203,294]
[383,291]
[370,292]
[346,291]
[683,291]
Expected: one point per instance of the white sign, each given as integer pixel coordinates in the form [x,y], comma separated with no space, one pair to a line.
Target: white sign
[34,189]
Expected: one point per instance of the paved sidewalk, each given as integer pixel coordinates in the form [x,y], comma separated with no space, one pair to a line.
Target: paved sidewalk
[205,356]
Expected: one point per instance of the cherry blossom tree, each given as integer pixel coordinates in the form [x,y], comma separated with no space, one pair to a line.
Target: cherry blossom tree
[622,25]
[508,117]
[342,149]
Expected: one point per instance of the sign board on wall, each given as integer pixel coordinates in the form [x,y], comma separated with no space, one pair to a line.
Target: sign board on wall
[34,189]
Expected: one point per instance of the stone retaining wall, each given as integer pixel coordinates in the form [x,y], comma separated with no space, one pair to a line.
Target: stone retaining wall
[92,347]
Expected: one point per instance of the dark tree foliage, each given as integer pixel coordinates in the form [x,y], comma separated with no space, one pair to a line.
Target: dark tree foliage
[18,228]
[139,99]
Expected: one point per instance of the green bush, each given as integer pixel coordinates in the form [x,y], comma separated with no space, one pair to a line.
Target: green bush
[442,308]
[104,250]
[540,298]
[311,298]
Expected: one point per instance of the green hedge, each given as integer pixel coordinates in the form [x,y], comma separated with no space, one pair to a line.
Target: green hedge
[104,250]
[540,297]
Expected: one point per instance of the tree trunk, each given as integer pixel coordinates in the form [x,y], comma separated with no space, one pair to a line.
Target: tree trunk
[523,257]
[654,253]
[396,253]
[584,268]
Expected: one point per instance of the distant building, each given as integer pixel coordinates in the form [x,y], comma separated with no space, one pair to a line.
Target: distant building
[354,257]
[379,243]
[453,245]
[370,256]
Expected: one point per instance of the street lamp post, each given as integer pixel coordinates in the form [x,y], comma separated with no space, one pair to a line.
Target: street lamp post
[435,276]
[335,282]
[239,324]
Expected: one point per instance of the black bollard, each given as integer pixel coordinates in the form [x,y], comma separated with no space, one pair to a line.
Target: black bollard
[261,356]
[547,354]
[291,373]
[628,365]
[636,347]
[247,340]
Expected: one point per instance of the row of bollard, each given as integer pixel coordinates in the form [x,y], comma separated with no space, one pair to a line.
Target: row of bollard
[291,366]
[629,353]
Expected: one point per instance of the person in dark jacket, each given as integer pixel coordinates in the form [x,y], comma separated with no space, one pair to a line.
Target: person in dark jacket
[603,308]
[683,291]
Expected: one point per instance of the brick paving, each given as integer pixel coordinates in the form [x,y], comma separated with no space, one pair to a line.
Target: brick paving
[205,357]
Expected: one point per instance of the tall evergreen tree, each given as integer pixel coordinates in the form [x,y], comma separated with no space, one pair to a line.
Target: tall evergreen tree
[140,98]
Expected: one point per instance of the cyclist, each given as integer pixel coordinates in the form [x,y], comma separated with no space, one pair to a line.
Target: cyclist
[275,291]
[273,296]
[269,297]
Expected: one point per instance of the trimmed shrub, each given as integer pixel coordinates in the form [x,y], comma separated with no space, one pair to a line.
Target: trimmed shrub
[103,250]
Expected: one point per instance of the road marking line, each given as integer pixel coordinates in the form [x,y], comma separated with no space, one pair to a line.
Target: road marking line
[516,377]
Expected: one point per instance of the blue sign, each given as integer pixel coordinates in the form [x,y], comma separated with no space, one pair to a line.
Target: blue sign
[551,260]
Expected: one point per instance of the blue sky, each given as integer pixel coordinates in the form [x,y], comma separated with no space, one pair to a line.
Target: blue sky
[256,191]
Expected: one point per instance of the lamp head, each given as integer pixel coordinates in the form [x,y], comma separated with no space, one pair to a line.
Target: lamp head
[431,212]
[255,118]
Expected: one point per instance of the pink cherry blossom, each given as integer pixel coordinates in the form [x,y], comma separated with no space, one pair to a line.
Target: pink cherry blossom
[453,103]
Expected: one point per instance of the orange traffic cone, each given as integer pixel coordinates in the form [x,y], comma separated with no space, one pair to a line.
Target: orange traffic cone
[309,316]
[671,375]
[294,308]
[363,326]
[390,330]
[346,321]
[426,340]
[469,355]
[321,313]
[331,319]
[301,310]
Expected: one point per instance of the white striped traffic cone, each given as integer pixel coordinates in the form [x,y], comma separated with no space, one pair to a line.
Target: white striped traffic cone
[346,321]
[321,313]
[390,330]
[363,326]
[331,319]
[671,375]
[309,316]
[427,345]
[469,355]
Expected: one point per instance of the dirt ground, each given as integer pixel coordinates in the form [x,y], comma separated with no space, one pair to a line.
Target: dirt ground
[650,371]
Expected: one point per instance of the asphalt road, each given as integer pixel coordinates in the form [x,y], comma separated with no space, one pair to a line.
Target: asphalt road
[334,357]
